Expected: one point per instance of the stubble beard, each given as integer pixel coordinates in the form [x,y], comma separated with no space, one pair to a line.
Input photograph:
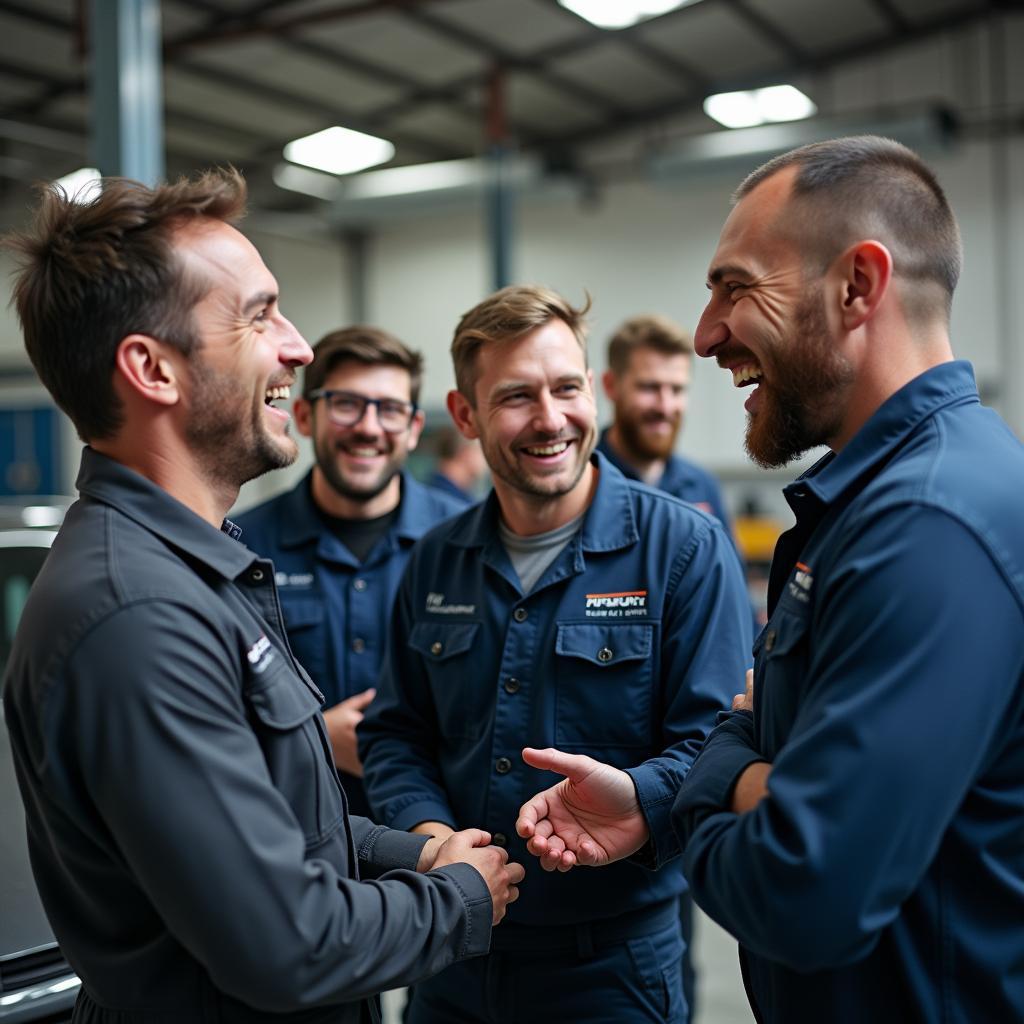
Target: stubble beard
[232,448]
[506,469]
[325,452]
[802,407]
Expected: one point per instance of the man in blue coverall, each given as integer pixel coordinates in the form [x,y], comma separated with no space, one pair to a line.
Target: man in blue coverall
[648,382]
[340,539]
[573,606]
[857,823]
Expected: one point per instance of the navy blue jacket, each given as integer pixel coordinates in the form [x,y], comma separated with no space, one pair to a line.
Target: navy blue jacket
[682,478]
[630,643]
[336,610]
[883,876]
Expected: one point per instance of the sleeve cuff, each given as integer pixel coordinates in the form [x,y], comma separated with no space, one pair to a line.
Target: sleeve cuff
[385,849]
[727,752]
[479,910]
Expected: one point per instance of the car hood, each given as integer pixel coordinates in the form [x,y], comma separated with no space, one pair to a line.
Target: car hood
[23,924]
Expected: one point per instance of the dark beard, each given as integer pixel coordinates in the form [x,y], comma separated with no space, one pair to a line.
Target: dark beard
[638,446]
[800,409]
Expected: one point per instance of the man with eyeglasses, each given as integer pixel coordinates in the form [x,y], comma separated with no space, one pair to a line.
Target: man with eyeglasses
[339,541]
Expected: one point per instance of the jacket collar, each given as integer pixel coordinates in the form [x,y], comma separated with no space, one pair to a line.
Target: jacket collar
[301,523]
[112,483]
[890,426]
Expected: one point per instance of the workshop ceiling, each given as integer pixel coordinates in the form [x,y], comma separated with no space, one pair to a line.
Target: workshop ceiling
[241,77]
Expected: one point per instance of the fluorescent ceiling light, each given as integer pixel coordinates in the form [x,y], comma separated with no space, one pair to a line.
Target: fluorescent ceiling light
[339,151]
[759,106]
[400,181]
[310,183]
[79,185]
[621,13]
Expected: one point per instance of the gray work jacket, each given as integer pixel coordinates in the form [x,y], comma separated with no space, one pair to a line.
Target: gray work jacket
[188,832]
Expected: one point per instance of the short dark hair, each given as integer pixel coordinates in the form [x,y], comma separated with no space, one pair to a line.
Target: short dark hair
[865,186]
[507,315]
[370,346]
[97,267]
[648,331]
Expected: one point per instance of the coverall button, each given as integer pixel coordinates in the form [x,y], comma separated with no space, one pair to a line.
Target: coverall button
[512,685]
[436,647]
[499,839]
[519,615]
[769,640]
[256,575]
[503,766]
[605,654]
[359,584]
[359,645]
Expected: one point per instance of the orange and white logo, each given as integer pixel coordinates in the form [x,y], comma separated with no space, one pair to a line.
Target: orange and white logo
[800,585]
[617,604]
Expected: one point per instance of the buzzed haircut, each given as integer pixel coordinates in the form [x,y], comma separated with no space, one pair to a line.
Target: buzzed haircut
[506,316]
[866,186]
[368,346]
[95,268]
[648,331]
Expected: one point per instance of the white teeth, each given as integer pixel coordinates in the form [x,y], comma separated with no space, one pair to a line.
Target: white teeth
[275,394]
[363,453]
[549,449]
[741,374]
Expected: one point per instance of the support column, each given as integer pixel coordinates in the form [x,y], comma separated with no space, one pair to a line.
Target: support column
[127,98]
[500,197]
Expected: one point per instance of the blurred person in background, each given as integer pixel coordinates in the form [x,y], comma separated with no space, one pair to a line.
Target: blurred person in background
[340,538]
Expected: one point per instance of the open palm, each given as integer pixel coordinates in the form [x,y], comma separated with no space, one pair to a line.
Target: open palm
[591,817]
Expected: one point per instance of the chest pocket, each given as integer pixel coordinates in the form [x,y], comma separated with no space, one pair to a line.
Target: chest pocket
[461,698]
[305,619]
[284,713]
[782,658]
[603,680]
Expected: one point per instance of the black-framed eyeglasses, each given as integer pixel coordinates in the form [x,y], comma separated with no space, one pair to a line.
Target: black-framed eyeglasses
[347,408]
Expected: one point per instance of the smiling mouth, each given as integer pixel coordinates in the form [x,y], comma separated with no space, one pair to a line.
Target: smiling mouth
[747,373]
[546,451]
[362,451]
[277,393]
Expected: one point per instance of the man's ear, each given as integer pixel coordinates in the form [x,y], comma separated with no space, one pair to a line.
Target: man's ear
[415,429]
[302,412]
[865,275]
[609,382]
[463,415]
[148,368]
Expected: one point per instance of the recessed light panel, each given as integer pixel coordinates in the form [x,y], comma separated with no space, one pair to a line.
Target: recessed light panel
[759,106]
[621,13]
[339,151]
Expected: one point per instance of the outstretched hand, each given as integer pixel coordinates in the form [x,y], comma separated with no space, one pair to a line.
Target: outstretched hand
[591,817]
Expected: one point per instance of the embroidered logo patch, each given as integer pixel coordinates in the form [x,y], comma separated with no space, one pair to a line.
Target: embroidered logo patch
[801,583]
[293,579]
[617,605]
[260,655]
[437,605]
